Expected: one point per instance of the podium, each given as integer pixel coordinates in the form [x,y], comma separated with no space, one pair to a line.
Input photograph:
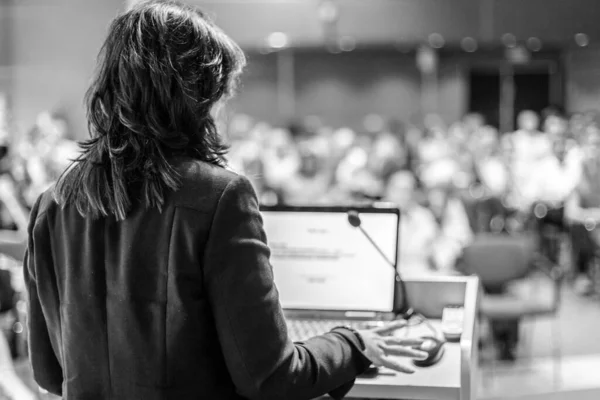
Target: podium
[454,377]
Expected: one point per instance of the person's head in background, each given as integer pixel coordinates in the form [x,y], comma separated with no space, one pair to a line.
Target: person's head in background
[435,128]
[528,121]
[438,183]
[401,189]
[459,132]
[473,122]
[342,140]
[591,142]
[488,142]
[238,127]
[556,126]
[387,155]
[162,73]
[49,129]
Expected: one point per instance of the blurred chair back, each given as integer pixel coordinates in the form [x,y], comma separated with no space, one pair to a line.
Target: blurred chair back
[498,259]
[13,244]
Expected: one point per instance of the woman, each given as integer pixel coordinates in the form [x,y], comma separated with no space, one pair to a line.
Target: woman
[147,265]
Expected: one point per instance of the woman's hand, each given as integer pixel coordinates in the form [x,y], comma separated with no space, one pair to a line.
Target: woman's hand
[384,350]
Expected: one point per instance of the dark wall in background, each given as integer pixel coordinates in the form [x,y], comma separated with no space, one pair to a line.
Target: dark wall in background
[257,91]
[552,20]
[343,88]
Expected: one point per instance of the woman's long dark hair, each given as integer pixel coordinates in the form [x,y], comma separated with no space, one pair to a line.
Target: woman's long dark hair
[161,70]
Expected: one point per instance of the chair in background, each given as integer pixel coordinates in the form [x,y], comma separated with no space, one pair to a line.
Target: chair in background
[13,244]
[532,284]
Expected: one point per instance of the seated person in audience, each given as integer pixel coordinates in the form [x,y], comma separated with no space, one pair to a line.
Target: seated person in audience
[311,183]
[430,243]
[490,164]
[418,228]
[553,180]
[434,144]
[387,155]
[46,153]
[280,158]
[582,212]
[530,148]
[559,171]
[354,161]
[453,231]
[245,158]
[530,143]
[342,141]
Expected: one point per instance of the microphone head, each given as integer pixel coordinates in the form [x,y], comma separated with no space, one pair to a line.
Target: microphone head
[354,218]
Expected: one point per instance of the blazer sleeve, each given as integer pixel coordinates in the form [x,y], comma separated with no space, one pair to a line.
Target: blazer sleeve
[47,371]
[262,360]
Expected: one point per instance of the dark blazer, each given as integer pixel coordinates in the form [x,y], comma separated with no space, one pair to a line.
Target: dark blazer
[178,304]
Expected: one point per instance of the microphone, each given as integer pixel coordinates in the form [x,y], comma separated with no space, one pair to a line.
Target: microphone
[354,220]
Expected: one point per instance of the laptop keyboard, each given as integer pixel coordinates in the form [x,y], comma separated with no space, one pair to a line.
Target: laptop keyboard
[302,329]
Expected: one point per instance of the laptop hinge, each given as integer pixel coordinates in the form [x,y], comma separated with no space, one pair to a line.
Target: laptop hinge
[360,314]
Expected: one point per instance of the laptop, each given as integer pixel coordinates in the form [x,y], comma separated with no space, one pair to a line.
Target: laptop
[327,272]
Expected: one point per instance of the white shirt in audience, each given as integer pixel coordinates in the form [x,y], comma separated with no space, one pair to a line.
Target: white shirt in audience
[430,248]
[418,230]
[554,181]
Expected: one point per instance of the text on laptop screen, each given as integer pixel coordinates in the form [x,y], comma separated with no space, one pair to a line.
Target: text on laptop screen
[321,262]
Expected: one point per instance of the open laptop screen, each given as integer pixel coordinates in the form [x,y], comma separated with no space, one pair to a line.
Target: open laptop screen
[321,262]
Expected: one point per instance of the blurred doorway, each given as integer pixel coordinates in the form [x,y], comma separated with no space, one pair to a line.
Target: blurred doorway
[484,94]
[500,91]
[531,91]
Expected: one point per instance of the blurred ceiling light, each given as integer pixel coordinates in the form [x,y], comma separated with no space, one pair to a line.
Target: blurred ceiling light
[328,11]
[347,43]
[277,40]
[469,44]
[534,44]
[582,39]
[509,40]
[436,41]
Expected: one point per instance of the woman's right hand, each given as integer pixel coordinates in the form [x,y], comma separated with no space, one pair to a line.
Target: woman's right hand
[384,350]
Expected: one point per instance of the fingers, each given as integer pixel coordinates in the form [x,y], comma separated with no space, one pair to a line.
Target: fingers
[396,366]
[404,351]
[391,327]
[391,340]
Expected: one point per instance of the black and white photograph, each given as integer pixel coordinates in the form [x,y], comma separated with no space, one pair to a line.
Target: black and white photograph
[299,199]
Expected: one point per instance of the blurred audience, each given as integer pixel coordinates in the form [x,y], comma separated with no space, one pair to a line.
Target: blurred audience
[450,181]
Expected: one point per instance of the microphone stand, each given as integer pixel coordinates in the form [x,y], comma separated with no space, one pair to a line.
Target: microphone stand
[354,220]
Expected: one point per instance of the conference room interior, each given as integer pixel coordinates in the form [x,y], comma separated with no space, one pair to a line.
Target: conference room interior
[478,119]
